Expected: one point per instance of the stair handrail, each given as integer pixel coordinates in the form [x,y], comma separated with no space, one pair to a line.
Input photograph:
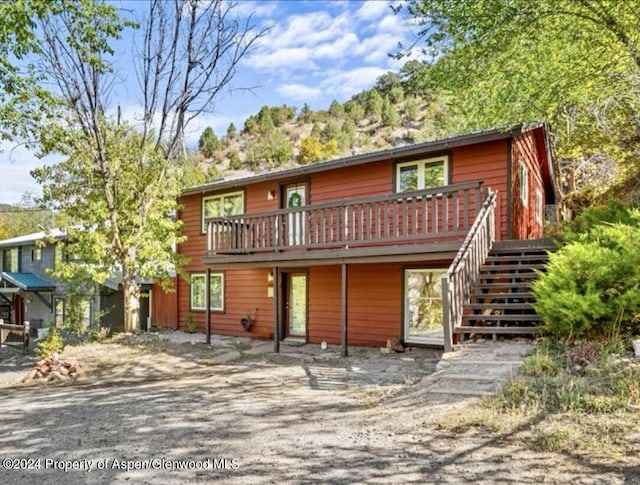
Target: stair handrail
[464,271]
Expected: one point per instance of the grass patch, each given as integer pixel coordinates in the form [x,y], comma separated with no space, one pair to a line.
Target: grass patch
[582,397]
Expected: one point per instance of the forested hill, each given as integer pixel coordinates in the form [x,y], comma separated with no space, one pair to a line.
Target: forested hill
[395,111]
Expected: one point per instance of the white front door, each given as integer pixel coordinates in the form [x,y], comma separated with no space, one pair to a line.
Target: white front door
[296,196]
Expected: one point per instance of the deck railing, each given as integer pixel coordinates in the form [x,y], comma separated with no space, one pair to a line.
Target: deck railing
[390,219]
[463,273]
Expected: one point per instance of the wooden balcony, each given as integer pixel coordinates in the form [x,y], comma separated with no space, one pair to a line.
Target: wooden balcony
[425,216]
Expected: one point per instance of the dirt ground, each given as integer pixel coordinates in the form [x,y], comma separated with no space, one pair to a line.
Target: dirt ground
[241,415]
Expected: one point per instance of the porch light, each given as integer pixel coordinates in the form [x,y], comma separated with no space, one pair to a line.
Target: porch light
[271,194]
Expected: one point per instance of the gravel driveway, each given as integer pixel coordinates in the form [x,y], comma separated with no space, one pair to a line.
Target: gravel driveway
[165,412]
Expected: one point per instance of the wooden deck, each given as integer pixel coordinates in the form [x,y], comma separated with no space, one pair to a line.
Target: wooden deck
[361,227]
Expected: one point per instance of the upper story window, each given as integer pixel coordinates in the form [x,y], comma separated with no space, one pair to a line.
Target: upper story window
[11,260]
[231,204]
[422,174]
[36,254]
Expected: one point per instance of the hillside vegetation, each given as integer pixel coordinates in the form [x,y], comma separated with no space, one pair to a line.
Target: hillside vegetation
[393,112]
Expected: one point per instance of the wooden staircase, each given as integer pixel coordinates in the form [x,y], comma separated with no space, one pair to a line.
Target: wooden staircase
[501,300]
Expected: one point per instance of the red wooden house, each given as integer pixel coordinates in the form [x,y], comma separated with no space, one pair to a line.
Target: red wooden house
[356,250]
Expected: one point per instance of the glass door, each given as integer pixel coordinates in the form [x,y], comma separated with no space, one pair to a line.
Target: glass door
[423,306]
[295,304]
[295,195]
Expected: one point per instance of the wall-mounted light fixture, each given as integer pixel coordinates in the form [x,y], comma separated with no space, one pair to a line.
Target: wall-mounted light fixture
[271,194]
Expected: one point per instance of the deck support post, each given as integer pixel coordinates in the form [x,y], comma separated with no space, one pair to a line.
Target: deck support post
[207,304]
[345,351]
[447,316]
[276,309]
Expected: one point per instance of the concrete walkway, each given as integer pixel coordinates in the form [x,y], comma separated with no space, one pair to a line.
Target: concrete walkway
[477,368]
[473,370]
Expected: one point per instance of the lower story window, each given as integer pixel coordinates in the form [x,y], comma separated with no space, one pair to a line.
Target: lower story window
[198,291]
[423,305]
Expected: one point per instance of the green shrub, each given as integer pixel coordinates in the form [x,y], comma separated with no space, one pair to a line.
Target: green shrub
[591,287]
[590,290]
[53,342]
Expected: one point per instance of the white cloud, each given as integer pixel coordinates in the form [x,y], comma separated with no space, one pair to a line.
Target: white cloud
[337,49]
[344,84]
[290,58]
[299,92]
[258,9]
[308,30]
[372,10]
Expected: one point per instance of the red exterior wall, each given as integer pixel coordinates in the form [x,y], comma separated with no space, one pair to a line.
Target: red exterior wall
[524,222]
[164,307]
[486,162]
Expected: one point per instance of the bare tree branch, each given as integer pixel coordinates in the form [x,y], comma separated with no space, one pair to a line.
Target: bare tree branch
[190,55]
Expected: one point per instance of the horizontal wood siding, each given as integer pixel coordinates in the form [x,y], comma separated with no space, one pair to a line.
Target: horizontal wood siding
[164,307]
[525,225]
[352,182]
[375,303]
[324,310]
[245,294]
[486,162]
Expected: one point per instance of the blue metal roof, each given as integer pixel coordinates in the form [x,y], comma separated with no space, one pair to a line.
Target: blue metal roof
[29,281]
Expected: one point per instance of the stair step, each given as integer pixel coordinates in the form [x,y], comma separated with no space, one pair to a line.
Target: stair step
[476,377]
[503,318]
[501,267]
[516,257]
[508,276]
[499,306]
[506,284]
[496,330]
[460,392]
[525,244]
[499,296]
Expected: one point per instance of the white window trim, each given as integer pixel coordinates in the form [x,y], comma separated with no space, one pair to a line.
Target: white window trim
[539,206]
[217,196]
[523,175]
[204,277]
[422,163]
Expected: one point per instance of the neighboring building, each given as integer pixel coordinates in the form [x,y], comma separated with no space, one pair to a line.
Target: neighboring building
[29,293]
[353,250]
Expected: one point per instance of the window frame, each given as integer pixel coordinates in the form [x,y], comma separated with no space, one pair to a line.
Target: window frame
[421,164]
[11,255]
[220,196]
[36,254]
[539,206]
[203,308]
[523,176]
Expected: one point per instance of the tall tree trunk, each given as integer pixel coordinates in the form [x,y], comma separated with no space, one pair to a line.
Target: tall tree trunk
[131,294]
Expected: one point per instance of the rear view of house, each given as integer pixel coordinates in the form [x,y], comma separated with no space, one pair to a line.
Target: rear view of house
[354,251]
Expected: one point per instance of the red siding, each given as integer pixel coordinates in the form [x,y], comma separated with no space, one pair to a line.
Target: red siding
[374,308]
[164,309]
[324,312]
[525,225]
[486,162]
